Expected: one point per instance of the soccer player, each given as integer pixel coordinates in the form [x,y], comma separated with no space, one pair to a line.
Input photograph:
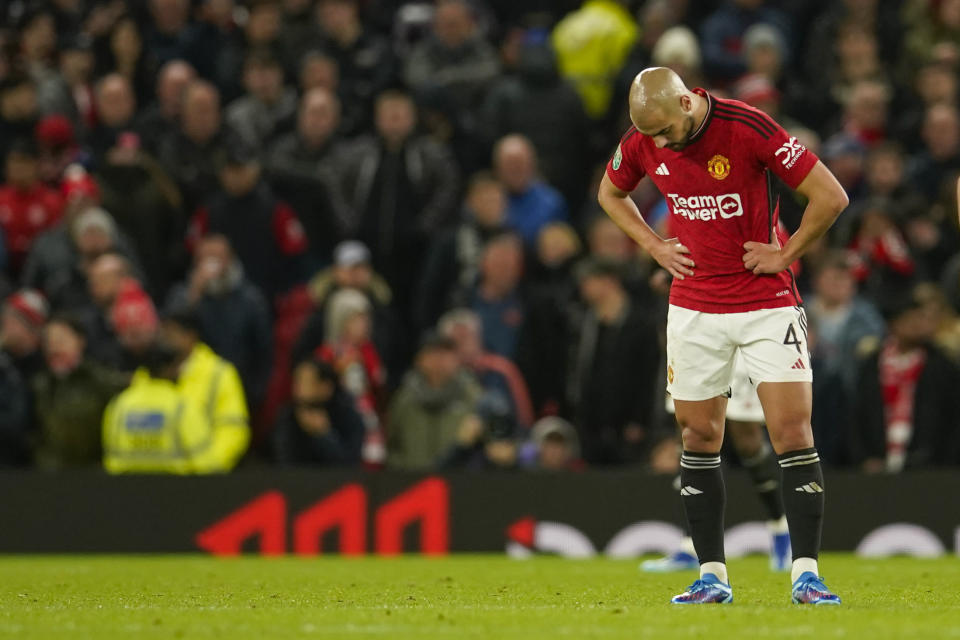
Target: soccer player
[732,289]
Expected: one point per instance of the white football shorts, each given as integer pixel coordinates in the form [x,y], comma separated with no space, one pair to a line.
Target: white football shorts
[702,349]
[743,405]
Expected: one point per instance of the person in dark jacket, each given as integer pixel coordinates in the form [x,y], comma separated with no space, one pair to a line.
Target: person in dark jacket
[15,414]
[320,427]
[264,231]
[537,103]
[453,261]
[906,413]
[233,316]
[614,360]
[301,167]
[70,397]
[402,187]
[22,318]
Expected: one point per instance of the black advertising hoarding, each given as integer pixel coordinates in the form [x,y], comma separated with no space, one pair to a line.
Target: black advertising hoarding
[619,513]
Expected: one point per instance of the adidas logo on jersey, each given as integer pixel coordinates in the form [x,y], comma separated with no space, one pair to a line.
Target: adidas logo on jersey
[662,170]
[798,364]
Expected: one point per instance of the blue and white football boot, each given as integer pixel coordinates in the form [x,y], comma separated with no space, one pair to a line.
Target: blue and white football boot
[676,561]
[809,589]
[781,558]
[707,590]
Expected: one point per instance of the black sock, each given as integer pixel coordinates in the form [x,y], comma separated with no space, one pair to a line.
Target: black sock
[803,500]
[766,481]
[680,515]
[704,499]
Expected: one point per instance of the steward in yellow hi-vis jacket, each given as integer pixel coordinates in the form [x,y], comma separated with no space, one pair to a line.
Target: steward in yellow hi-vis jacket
[197,424]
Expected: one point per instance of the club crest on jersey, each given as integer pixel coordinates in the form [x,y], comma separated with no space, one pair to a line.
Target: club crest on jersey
[718,167]
[617,158]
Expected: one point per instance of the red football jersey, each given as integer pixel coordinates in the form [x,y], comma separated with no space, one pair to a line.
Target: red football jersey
[719,197]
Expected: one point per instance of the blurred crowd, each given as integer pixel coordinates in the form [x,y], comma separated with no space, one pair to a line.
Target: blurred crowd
[365,233]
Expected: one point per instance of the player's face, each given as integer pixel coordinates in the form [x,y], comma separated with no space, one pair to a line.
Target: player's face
[671,132]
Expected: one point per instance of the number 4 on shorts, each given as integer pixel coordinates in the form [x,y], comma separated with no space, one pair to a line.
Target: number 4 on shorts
[791,338]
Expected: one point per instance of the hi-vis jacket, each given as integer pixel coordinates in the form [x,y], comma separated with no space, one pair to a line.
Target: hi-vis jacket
[197,425]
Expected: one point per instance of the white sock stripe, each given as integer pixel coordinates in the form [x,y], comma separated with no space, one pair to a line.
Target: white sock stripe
[806,456]
[689,458]
[699,466]
[700,462]
[799,463]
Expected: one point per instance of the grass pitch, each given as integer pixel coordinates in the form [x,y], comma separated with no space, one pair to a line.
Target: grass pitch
[473,597]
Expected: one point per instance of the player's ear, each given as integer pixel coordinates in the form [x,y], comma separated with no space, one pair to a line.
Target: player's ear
[686,104]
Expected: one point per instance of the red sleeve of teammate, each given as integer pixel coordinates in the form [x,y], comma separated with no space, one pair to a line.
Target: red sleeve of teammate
[783,154]
[625,168]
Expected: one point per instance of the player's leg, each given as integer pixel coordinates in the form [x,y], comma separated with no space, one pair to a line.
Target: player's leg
[699,366]
[775,352]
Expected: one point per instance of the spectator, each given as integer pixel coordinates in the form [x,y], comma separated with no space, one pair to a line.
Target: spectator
[454,66]
[225,38]
[349,347]
[38,51]
[212,383]
[58,149]
[553,446]
[486,439]
[189,156]
[932,83]
[146,205]
[552,297]
[264,232]
[495,374]
[883,262]
[18,110]
[172,35]
[27,206]
[58,260]
[945,320]
[321,426]
[105,278]
[364,59]
[22,319]
[613,369]
[301,166]
[429,409]
[538,103]
[319,71]
[846,323]
[497,297]
[123,53]
[906,409]
[116,107]
[722,35]
[352,269]
[76,79]
[154,427]
[531,202]
[163,116]
[865,114]
[885,177]
[134,320]
[268,109]
[70,396]
[232,315]
[592,45]
[935,166]
[453,262]
[402,188]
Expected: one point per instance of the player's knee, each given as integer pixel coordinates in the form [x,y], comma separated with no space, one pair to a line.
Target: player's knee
[792,436]
[702,437]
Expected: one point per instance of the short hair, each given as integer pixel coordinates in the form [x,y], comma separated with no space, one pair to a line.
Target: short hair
[72,321]
[394,94]
[322,368]
[482,178]
[24,147]
[183,316]
[834,259]
[457,317]
[262,57]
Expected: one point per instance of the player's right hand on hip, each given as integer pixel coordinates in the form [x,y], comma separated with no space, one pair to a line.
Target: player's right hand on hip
[673,256]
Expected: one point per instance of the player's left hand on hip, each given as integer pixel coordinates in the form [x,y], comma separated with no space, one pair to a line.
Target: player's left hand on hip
[763,257]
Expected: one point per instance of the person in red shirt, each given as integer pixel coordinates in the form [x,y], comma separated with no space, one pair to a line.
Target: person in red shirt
[733,291]
[27,206]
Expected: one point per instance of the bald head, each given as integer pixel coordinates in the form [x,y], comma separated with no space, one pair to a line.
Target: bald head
[663,108]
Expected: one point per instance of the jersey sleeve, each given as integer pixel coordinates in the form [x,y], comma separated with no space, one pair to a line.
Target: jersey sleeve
[625,168]
[783,154]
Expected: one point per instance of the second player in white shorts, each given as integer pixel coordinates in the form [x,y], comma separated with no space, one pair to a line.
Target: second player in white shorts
[702,349]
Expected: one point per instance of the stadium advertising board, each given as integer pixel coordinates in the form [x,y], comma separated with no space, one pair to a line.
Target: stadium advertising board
[620,514]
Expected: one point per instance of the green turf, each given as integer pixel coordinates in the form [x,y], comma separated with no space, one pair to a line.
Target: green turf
[458,597]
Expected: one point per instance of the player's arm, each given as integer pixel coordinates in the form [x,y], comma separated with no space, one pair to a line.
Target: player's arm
[826,199]
[669,254]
